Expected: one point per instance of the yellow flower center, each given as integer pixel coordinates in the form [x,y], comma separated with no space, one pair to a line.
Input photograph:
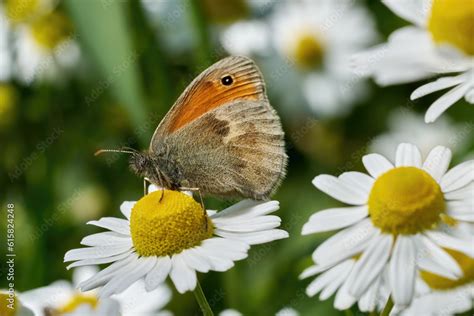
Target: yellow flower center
[441,283]
[21,10]
[452,22]
[9,304]
[51,29]
[169,226]
[405,200]
[76,301]
[308,52]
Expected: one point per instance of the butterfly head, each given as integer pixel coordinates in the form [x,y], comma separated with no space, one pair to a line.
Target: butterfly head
[141,164]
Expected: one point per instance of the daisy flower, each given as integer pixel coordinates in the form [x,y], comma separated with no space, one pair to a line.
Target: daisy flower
[308,45]
[393,225]
[439,296]
[62,298]
[439,43]
[172,236]
[317,38]
[12,305]
[408,126]
[42,39]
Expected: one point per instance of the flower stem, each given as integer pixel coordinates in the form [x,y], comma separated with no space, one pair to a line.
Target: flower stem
[202,301]
[388,307]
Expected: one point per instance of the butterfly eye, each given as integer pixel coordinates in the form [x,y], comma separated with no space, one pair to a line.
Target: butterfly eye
[227,80]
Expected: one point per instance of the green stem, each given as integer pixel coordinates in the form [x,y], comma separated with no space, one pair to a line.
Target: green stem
[373,313]
[348,312]
[202,301]
[388,307]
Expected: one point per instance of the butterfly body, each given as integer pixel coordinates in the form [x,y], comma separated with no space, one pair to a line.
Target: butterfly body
[221,136]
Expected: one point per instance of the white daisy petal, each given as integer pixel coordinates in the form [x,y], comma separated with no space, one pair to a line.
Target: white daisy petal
[434,259]
[462,210]
[408,155]
[121,282]
[106,238]
[446,241]
[254,238]
[313,270]
[461,194]
[376,164]
[339,190]
[344,269]
[358,180]
[227,248]
[415,11]
[95,252]
[327,278]
[218,263]
[334,218]
[345,244]
[367,303]
[195,261]
[458,177]
[97,261]
[183,277]
[437,162]
[445,101]
[343,299]
[250,224]
[403,270]
[158,273]
[440,84]
[117,225]
[369,265]
[246,209]
[116,268]
[126,208]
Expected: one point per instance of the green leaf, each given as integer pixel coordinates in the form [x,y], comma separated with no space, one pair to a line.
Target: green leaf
[102,27]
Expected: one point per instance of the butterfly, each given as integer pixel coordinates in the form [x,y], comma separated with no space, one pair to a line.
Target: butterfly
[221,137]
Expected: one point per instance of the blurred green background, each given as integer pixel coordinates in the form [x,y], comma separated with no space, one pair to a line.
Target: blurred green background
[127,76]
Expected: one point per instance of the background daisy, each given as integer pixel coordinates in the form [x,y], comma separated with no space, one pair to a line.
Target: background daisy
[312,43]
[62,297]
[439,43]
[395,223]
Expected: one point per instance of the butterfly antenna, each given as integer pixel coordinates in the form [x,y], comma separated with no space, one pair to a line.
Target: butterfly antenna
[125,151]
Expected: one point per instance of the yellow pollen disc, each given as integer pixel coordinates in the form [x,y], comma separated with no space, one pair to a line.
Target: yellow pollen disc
[452,22]
[51,29]
[405,200]
[308,52]
[169,226]
[76,301]
[8,305]
[21,10]
[441,283]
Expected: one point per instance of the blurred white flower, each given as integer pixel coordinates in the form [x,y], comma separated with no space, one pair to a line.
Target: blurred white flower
[37,41]
[287,311]
[171,21]
[395,225]
[190,240]
[62,298]
[407,126]
[306,48]
[440,42]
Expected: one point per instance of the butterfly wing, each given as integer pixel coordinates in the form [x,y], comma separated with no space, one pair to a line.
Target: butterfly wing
[207,92]
[231,144]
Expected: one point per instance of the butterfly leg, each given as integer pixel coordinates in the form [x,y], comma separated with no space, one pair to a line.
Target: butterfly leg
[200,199]
[145,186]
